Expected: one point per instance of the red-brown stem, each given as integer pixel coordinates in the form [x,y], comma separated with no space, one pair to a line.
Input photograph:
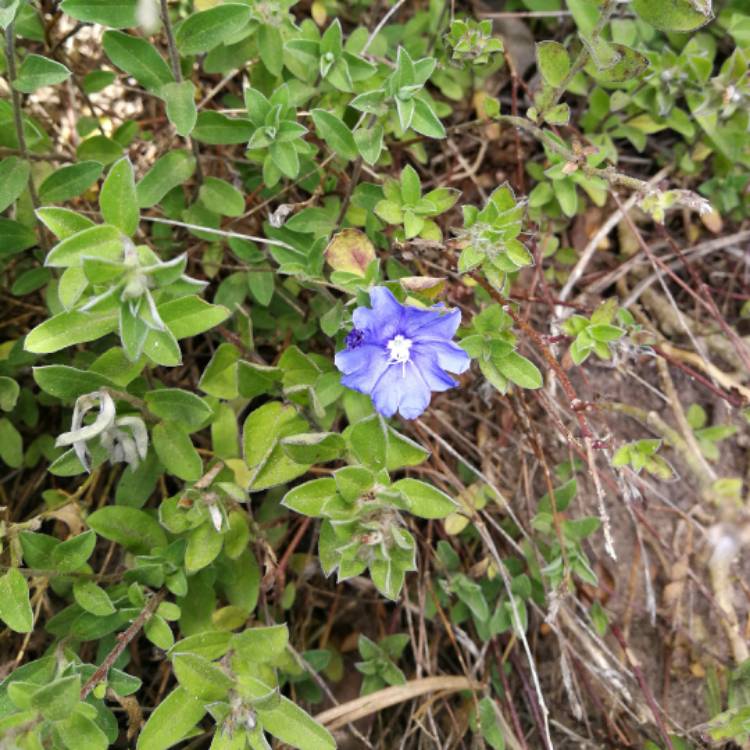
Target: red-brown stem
[648,695]
[508,695]
[709,305]
[123,639]
[736,401]
[532,701]
[289,551]
[575,403]
[709,301]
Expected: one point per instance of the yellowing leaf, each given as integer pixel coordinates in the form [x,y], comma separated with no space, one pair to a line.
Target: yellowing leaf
[351,251]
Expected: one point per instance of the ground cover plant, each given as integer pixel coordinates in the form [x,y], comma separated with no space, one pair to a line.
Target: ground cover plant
[374,374]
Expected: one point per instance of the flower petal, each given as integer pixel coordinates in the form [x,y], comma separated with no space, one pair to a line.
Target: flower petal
[383,320]
[436,377]
[416,398]
[387,393]
[402,389]
[362,366]
[433,324]
[449,356]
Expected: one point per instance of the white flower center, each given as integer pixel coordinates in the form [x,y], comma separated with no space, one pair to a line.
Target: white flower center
[399,348]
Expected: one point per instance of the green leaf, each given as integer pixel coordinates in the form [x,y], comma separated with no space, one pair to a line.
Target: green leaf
[181,109]
[69,182]
[425,121]
[314,447]
[519,370]
[285,157]
[169,171]
[201,32]
[117,199]
[219,130]
[138,58]
[369,142]
[189,316]
[98,80]
[389,211]
[271,48]
[200,677]
[630,66]
[79,731]
[290,724]
[69,328]
[15,237]
[100,148]
[71,554]
[424,500]
[171,721]
[269,465]
[674,15]
[489,725]
[157,630]
[104,242]
[63,222]
[558,115]
[254,379]
[203,547]
[14,176]
[176,451]
[553,62]
[179,406]
[30,281]
[8,10]
[92,598]
[15,608]
[605,333]
[220,378]
[262,285]
[209,644]
[221,197]
[261,644]
[369,441]
[9,391]
[57,700]
[310,497]
[411,186]
[335,133]
[37,71]
[68,383]
[11,444]
[118,14]
[134,529]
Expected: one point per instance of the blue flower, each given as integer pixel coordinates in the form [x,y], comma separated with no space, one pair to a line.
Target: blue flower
[398,354]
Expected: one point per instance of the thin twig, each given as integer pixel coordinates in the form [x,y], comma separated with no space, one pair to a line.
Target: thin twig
[174,59]
[123,639]
[10,58]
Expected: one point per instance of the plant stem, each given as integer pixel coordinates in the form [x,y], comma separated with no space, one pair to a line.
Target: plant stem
[609,174]
[584,55]
[174,59]
[123,639]
[10,56]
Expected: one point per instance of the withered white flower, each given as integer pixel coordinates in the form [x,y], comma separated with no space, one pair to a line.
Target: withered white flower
[125,439]
[147,14]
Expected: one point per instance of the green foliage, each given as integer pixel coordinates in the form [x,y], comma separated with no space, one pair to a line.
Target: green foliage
[490,236]
[189,233]
[378,663]
[596,334]
[642,454]
[491,342]
[404,205]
